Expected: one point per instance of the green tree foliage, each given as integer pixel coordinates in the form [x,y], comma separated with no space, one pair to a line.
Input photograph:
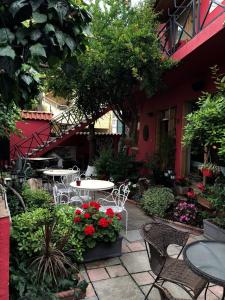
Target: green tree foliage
[123,53]
[35,34]
[207,123]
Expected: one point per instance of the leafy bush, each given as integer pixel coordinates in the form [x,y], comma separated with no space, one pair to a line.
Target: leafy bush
[102,164]
[36,198]
[119,167]
[157,200]
[27,231]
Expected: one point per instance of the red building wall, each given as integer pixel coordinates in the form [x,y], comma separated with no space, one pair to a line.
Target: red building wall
[27,128]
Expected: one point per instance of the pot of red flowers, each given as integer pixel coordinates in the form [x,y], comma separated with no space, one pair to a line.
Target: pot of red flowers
[99,231]
[209,169]
[182,185]
[202,196]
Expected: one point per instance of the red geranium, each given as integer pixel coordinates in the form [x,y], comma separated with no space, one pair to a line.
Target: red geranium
[110,221]
[191,194]
[110,212]
[87,215]
[85,205]
[76,220]
[200,186]
[119,217]
[89,230]
[94,204]
[78,212]
[103,222]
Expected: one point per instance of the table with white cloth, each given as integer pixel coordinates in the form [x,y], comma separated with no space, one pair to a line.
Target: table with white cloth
[93,185]
[67,173]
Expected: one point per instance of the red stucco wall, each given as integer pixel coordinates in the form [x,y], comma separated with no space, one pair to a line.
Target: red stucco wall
[4,258]
[27,128]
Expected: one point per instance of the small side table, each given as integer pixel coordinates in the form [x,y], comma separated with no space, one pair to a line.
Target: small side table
[207,259]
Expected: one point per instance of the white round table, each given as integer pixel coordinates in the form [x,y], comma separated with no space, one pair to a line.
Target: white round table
[60,172]
[92,186]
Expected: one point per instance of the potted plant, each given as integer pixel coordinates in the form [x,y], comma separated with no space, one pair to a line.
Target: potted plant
[209,169]
[214,227]
[185,212]
[204,195]
[98,231]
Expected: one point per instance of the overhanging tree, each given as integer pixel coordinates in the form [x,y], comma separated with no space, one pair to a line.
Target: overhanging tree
[122,55]
[34,34]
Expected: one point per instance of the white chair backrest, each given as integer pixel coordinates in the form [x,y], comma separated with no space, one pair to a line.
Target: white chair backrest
[120,195]
[75,168]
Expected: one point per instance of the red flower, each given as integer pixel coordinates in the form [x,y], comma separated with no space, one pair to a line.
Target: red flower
[85,205]
[89,230]
[110,212]
[110,221]
[191,194]
[87,215]
[94,204]
[200,186]
[119,217]
[103,222]
[76,220]
[78,212]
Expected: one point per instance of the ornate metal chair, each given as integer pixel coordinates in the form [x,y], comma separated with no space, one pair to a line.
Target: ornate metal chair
[116,200]
[158,236]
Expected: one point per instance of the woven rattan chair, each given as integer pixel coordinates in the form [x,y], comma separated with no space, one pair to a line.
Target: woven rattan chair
[158,236]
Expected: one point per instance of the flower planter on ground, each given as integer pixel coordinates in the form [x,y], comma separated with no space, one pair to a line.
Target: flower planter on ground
[214,232]
[104,250]
[204,202]
[181,190]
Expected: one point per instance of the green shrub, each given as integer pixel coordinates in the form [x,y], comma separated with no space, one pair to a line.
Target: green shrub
[117,166]
[157,200]
[27,231]
[102,164]
[36,198]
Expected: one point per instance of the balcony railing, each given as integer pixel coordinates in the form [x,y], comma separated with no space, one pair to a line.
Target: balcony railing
[185,22]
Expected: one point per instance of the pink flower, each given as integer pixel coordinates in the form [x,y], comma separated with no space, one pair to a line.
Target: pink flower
[200,186]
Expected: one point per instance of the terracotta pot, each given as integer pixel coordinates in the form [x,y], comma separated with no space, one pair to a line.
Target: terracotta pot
[207,173]
[204,202]
[70,294]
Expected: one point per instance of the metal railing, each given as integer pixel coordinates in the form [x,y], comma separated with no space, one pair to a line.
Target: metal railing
[59,126]
[184,23]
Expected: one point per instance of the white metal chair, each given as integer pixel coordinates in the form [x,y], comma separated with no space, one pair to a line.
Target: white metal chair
[117,201]
[58,196]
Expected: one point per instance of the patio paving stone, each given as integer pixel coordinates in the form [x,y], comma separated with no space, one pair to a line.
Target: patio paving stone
[136,246]
[90,293]
[143,278]
[116,271]
[136,261]
[117,289]
[132,235]
[97,274]
[103,263]
[154,295]
[217,290]
[210,296]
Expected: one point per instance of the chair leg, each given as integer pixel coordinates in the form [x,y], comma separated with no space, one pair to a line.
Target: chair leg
[126,220]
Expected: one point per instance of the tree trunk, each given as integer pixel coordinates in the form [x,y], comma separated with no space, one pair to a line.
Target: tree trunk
[92,144]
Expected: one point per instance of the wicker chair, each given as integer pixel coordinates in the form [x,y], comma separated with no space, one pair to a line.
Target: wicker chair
[158,236]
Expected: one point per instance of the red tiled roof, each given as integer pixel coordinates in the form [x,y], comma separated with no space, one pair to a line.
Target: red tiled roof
[36,115]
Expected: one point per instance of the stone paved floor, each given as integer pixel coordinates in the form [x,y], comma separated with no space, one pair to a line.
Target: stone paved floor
[128,277]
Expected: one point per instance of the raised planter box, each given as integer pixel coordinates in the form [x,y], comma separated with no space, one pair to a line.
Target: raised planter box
[104,250]
[71,294]
[181,190]
[204,202]
[213,232]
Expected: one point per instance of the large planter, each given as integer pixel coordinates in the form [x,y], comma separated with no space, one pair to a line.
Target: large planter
[71,294]
[104,250]
[213,232]
[204,202]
